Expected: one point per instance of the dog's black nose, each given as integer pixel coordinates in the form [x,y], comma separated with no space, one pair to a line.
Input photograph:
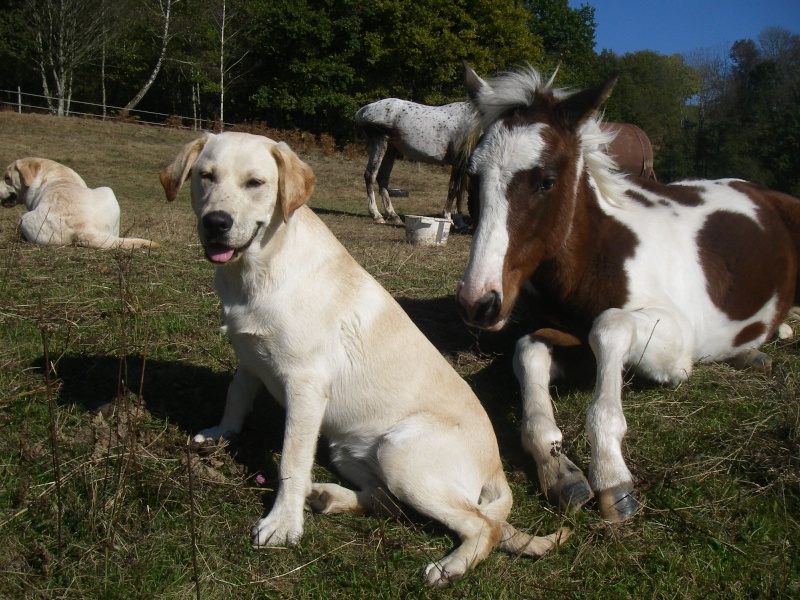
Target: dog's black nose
[217,223]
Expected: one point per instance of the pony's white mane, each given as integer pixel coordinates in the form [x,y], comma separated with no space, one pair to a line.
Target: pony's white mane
[518,89]
[603,169]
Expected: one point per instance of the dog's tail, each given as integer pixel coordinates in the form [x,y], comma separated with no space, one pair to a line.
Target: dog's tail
[518,542]
[107,242]
[496,503]
[134,243]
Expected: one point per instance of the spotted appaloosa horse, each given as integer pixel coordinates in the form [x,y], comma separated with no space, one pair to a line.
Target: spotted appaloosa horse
[655,277]
[442,135]
[429,134]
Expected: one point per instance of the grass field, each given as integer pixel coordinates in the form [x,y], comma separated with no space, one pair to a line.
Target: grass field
[100,496]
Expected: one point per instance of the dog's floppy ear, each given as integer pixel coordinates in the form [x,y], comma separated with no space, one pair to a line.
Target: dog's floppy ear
[177,172]
[28,169]
[295,179]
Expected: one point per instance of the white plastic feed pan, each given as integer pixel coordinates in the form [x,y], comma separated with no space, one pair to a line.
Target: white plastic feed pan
[427,231]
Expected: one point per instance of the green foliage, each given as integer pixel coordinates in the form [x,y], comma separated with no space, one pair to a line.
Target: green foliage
[345,54]
[568,38]
[747,120]
[652,92]
[307,55]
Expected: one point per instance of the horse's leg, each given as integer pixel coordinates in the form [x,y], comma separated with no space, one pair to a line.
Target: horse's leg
[455,194]
[383,184]
[652,341]
[376,149]
[562,483]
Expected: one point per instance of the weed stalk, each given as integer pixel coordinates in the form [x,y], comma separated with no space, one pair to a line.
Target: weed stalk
[45,331]
[191,517]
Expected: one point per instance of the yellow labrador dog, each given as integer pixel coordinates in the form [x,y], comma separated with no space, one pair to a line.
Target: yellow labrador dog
[62,210]
[313,327]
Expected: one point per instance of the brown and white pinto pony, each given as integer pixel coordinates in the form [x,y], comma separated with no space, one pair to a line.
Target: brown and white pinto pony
[654,277]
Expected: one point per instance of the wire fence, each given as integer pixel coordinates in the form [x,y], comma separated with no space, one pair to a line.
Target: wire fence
[38,103]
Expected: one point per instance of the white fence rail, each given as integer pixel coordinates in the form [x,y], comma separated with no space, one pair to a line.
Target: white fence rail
[24,101]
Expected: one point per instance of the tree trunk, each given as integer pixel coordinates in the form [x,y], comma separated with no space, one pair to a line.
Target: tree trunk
[222,69]
[166,6]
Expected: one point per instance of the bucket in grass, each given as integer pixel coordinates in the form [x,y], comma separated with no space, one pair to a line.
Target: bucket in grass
[427,231]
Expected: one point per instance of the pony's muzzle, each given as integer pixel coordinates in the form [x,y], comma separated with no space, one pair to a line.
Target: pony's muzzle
[483,312]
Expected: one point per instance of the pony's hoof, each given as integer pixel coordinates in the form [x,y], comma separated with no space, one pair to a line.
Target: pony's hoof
[378,220]
[571,490]
[617,504]
[752,359]
[395,220]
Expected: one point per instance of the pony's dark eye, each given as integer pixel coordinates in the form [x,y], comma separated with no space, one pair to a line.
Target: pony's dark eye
[547,184]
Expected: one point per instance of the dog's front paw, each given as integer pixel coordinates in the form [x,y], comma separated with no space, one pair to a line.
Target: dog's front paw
[280,531]
[212,434]
[441,574]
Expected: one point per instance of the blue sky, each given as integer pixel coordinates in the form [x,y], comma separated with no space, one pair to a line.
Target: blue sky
[679,26]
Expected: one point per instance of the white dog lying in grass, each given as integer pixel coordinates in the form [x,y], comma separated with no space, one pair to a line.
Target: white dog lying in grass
[62,210]
[323,336]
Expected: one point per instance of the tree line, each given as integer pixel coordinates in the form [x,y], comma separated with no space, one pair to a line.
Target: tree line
[310,64]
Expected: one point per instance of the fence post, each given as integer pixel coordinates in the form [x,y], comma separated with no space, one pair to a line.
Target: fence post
[19,99]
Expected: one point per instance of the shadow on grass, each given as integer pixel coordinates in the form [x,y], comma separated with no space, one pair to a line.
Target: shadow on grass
[193,397]
[190,397]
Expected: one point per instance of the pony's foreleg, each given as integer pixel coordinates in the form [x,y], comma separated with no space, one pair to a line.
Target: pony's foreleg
[653,342]
[383,183]
[376,150]
[562,482]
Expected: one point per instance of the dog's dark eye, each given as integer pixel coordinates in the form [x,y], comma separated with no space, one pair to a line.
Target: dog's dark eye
[207,176]
[254,183]
[547,184]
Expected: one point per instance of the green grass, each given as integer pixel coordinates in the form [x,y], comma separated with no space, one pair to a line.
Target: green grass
[139,364]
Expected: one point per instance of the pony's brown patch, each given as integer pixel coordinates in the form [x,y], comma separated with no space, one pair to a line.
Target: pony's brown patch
[732,249]
[749,333]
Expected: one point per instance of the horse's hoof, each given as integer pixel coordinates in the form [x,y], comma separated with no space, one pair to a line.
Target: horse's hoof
[378,220]
[571,490]
[617,504]
[459,223]
[752,359]
[395,220]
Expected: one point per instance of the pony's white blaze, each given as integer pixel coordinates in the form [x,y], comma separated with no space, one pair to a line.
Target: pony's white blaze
[503,153]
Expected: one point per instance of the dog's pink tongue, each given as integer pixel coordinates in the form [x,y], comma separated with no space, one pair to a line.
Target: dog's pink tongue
[219,254]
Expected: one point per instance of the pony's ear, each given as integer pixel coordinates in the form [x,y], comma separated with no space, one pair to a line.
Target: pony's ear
[473,82]
[573,111]
[28,169]
[296,180]
[177,172]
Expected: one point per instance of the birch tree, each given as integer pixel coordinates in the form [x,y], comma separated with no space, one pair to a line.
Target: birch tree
[163,10]
[229,25]
[66,34]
